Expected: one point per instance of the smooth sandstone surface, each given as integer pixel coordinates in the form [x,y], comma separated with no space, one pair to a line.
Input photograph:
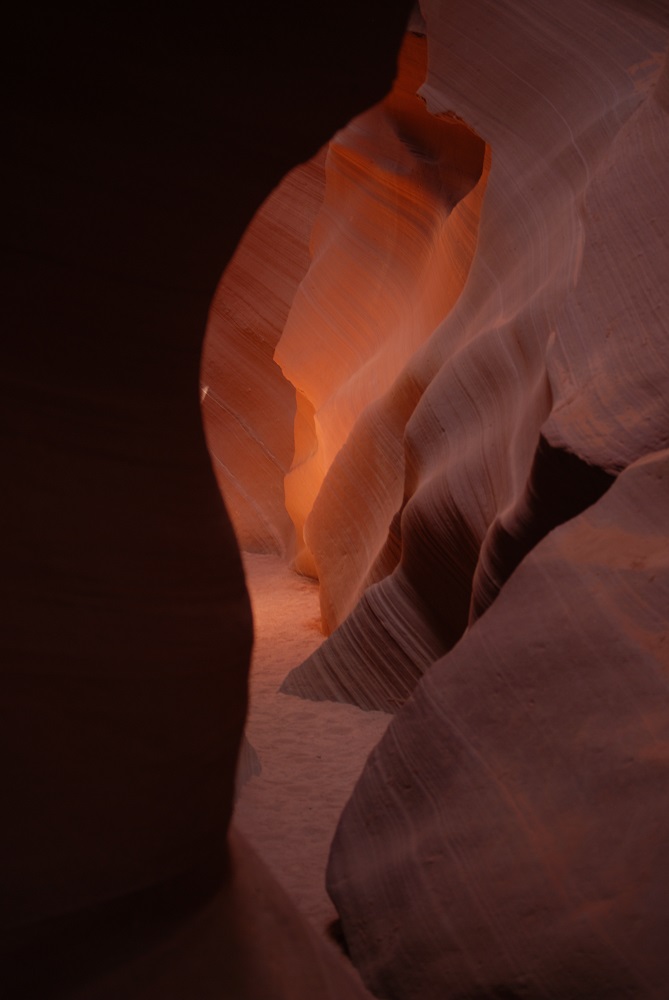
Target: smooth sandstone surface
[480,485]
[542,377]
[248,406]
[508,836]
[388,260]
[469,301]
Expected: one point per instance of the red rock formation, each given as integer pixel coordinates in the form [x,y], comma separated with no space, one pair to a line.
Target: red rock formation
[248,406]
[389,259]
[509,834]
[479,349]
[484,476]
[547,367]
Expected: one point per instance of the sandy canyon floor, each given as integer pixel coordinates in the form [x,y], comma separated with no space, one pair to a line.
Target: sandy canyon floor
[310,753]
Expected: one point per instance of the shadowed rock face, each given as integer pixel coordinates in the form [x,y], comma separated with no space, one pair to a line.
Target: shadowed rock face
[510,828]
[139,144]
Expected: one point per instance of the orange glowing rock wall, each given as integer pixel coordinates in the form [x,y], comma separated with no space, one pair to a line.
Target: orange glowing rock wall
[389,259]
[247,404]
[543,376]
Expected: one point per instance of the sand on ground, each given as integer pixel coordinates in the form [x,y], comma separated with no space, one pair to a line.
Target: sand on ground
[310,753]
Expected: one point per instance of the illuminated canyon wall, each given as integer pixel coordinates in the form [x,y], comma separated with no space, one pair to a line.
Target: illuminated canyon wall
[480,356]
[457,469]
[247,405]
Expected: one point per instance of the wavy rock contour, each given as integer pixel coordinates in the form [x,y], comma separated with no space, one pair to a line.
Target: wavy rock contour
[508,835]
[542,378]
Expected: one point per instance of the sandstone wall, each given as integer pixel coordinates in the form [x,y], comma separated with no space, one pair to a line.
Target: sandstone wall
[138,145]
[543,376]
[480,356]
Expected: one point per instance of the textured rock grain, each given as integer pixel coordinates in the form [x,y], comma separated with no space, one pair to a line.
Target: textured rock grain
[551,355]
[508,836]
[247,404]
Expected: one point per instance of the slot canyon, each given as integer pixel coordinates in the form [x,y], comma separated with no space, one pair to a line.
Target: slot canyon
[335,436]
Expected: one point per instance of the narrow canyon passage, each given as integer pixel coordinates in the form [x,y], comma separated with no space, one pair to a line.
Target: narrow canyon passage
[428,258]
[310,753]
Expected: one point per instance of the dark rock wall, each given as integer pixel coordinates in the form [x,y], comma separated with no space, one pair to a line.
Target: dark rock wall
[139,141]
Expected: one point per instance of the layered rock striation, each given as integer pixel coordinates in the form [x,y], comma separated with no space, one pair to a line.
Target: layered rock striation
[248,406]
[508,835]
[544,373]
[391,250]
[480,355]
